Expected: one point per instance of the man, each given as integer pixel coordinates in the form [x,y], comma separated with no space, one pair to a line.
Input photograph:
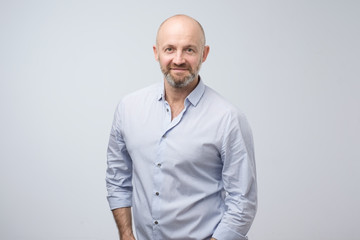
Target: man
[180,157]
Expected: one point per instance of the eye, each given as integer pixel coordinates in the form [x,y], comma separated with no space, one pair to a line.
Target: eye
[169,49]
[190,50]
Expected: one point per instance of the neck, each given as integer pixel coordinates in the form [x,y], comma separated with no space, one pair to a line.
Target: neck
[175,96]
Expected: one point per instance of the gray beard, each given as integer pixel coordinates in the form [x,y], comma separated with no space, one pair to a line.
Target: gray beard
[186,82]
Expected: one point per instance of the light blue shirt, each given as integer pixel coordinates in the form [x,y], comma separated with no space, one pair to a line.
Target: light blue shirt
[192,177]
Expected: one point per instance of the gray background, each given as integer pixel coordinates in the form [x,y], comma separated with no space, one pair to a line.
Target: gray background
[291,66]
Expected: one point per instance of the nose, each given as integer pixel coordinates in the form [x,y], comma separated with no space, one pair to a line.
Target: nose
[178,58]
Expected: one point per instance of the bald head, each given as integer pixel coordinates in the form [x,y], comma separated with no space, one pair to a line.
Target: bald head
[181,23]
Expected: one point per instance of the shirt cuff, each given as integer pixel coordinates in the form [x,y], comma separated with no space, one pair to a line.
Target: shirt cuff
[222,232]
[115,202]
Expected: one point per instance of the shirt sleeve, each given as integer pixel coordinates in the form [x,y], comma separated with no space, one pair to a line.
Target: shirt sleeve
[119,166]
[239,179]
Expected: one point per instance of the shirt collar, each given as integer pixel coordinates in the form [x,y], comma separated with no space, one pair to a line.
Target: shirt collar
[161,92]
[194,97]
[196,94]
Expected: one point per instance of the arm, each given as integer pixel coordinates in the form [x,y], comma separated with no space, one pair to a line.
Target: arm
[118,179]
[239,180]
[122,218]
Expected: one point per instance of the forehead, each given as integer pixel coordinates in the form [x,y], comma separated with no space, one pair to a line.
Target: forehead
[180,31]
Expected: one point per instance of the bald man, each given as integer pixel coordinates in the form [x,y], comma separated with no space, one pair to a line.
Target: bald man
[180,157]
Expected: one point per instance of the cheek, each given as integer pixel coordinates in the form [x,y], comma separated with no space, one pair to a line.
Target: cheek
[194,62]
[164,61]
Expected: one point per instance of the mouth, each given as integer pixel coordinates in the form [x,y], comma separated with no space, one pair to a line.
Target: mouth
[179,69]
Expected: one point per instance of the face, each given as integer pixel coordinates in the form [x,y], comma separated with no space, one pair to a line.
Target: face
[180,51]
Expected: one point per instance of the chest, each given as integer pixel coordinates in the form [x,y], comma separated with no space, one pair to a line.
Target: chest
[191,139]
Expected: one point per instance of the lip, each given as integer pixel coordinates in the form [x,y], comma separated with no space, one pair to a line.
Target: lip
[179,69]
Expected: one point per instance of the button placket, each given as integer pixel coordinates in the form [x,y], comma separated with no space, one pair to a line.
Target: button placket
[158,178]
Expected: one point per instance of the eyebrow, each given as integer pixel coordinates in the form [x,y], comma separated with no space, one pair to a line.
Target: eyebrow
[191,46]
[185,47]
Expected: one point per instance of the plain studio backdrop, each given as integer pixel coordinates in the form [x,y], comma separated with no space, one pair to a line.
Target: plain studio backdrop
[292,66]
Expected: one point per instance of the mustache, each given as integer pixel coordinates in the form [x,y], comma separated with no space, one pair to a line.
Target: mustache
[179,66]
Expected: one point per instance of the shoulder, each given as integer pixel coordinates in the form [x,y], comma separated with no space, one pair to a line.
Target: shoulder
[229,115]
[140,97]
[151,91]
[137,100]
[219,103]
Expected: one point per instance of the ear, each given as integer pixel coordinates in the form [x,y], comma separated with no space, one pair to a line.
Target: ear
[205,53]
[155,53]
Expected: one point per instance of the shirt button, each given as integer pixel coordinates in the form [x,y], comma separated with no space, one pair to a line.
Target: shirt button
[156,222]
[159,164]
[157,193]
[167,110]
